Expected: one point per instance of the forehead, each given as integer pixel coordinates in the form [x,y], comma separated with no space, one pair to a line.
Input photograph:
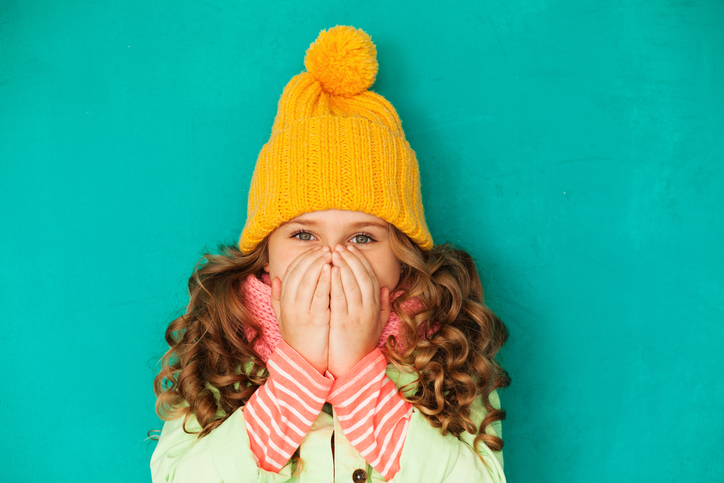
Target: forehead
[344,218]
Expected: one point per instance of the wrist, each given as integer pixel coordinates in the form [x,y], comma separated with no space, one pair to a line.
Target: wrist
[315,352]
[341,366]
[292,357]
[319,366]
[315,359]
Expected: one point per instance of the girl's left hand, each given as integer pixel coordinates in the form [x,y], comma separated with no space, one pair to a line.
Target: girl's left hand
[359,310]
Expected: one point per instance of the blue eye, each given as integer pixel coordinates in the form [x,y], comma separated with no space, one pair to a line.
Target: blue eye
[302,235]
[358,239]
[362,236]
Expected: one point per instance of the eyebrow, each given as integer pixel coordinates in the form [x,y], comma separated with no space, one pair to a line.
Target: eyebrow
[354,226]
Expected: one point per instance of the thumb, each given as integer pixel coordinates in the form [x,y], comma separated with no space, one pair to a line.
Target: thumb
[276,295]
[385,305]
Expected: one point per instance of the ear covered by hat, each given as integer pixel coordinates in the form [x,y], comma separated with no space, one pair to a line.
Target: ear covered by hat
[336,145]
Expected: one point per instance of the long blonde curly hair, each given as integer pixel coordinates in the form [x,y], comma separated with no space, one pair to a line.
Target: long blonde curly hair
[211,368]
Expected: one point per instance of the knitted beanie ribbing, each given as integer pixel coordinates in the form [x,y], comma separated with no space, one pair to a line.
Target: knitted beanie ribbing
[336,145]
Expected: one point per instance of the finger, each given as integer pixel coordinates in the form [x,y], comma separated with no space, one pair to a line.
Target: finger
[310,279]
[297,269]
[365,274]
[300,257]
[337,299]
[352,291]
[320,301]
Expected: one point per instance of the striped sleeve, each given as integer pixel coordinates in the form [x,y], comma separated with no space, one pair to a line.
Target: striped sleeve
[279,414]
[373,415]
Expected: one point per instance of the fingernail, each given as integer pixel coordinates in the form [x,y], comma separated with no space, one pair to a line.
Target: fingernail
[339,248]
[325,267]
[350,248]
[325,248]
[337,254]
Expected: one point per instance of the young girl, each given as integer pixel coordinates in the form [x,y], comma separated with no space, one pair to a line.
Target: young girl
[336,343]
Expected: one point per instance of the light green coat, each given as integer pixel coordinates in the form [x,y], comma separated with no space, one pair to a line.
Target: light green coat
[224,455]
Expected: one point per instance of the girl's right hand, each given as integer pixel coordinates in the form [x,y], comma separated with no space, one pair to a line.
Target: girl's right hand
[301,304]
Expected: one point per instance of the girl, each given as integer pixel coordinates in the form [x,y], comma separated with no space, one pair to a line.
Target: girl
[336,343]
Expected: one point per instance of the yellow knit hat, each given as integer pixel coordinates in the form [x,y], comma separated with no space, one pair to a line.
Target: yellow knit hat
[336,145]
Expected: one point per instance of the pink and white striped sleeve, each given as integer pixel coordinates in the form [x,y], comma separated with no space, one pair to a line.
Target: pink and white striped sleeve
[279,414]
[373,415]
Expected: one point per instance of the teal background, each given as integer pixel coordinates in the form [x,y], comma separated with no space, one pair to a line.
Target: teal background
[574,147]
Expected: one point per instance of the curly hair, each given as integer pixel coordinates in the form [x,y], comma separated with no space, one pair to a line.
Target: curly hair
[211,368]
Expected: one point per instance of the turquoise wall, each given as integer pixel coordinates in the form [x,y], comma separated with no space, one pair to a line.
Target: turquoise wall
[574,147]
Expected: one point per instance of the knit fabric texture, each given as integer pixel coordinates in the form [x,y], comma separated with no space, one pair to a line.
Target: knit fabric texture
[336,145]
[257,300]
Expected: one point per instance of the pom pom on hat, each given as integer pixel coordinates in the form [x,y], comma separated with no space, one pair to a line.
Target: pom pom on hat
[343,60]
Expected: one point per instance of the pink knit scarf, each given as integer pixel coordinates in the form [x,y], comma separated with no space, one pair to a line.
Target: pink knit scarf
[257,297]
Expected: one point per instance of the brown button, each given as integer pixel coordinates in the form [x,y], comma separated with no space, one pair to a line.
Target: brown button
[359,476]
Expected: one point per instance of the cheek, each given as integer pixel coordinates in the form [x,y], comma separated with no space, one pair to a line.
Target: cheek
[278,266]
[387,271]
[280,257]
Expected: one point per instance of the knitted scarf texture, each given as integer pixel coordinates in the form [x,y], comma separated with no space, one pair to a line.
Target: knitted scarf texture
[257,297]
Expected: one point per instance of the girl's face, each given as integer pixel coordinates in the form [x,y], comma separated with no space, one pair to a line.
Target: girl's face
[366,232]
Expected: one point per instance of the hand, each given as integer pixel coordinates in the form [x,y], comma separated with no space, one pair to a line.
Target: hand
[359,310]
[301,304]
